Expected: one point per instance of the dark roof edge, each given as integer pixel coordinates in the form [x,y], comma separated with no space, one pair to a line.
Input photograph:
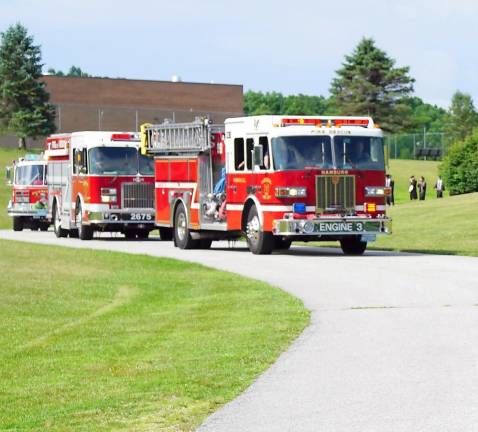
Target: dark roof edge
[144,80]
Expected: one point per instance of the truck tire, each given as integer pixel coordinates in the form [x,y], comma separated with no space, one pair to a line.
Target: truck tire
[85,232]
[205,243]
[59,231]
[130,234]
[353,246]
[17,223]
[182,235]
[44,226]
[142,234]
[281,243]
[166,234]
[260,242]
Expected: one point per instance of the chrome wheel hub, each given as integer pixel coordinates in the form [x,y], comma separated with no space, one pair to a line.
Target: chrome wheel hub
[182,226]
[253,228]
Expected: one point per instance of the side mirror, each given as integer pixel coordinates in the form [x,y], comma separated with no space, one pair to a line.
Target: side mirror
[258,155]
[8,175]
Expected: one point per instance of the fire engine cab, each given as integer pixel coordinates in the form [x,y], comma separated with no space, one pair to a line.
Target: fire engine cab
[276,179]
[28,206]
[98,181]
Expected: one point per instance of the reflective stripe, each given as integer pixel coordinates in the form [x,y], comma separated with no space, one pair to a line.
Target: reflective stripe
[180,185]
[96,207]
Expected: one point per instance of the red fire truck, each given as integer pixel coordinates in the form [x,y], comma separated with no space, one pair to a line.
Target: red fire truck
[28,206]
[274,179]
[98,181]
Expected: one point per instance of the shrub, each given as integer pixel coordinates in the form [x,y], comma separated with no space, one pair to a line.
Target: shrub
[460,167]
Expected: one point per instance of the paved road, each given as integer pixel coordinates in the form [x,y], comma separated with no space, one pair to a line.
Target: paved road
[393,343]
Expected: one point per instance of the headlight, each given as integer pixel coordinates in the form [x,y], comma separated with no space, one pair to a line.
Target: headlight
[22,197]
[291,192]
[108,195]
[377,191]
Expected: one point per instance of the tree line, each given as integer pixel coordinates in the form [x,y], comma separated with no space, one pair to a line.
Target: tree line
[367,84]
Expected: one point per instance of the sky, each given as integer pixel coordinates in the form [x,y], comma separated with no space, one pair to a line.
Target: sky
[285,46]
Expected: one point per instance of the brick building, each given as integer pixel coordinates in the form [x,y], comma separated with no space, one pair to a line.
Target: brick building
[123,104]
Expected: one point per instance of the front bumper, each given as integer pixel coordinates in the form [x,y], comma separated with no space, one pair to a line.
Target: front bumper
[26,210]
[120,217]
[333,227]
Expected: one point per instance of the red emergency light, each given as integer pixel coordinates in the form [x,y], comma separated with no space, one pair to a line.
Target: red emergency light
[124,137]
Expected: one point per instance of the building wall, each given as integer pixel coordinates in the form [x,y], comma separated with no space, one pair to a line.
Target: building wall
[123,105]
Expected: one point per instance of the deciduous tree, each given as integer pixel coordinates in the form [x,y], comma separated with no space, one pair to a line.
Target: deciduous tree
[462,117]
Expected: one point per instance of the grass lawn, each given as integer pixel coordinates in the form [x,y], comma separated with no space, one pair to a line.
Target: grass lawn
[107,341]
[447,226]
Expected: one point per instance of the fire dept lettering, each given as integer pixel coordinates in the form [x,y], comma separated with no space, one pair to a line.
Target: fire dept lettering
[341,227]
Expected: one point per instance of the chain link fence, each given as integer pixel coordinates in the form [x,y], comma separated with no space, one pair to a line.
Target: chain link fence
[424,145]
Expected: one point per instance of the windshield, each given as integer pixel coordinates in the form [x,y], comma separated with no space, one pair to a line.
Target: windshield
[355,152]
[119,161]
[29,175]
[299,152]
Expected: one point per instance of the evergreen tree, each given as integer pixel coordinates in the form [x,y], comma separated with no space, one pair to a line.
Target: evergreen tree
[24,107]
[462,117]
[369,84]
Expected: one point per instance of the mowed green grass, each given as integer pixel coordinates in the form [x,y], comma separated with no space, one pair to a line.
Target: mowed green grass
[447,226]
[401,170]
[7,156]
[105,341]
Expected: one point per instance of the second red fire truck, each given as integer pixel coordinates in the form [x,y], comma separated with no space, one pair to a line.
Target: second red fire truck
[274,179]
[99,181]
[28,206]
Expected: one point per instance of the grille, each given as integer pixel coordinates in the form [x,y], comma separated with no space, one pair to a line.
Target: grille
[137,195]
[335,193]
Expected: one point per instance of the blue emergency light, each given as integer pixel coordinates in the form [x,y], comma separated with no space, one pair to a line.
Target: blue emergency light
[298,208]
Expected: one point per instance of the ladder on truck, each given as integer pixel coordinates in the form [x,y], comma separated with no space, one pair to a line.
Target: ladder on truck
[193,137]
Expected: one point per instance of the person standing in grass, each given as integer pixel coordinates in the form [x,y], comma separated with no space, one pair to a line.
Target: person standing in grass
[412,187]
[439,187]
[389,182]
[422,188]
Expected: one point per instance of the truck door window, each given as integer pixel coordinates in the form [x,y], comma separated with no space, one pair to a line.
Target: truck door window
[239,154]
[79,161]
[264,142]
[249,150]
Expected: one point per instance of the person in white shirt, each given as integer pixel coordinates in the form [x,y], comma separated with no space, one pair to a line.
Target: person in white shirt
[439,187]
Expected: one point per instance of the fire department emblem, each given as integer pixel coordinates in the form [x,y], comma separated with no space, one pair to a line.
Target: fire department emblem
[266,188]
[335,180]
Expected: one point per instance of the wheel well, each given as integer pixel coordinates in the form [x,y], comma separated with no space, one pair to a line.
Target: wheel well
[175,207]
[247,206]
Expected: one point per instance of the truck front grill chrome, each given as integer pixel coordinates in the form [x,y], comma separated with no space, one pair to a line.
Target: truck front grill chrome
[137,195]
[335,194]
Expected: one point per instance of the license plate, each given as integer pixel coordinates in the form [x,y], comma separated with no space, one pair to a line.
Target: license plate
[138,217]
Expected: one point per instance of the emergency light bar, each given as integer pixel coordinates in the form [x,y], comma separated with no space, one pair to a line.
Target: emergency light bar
[124,137]
[33,157]
[328,121]
[57,145]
